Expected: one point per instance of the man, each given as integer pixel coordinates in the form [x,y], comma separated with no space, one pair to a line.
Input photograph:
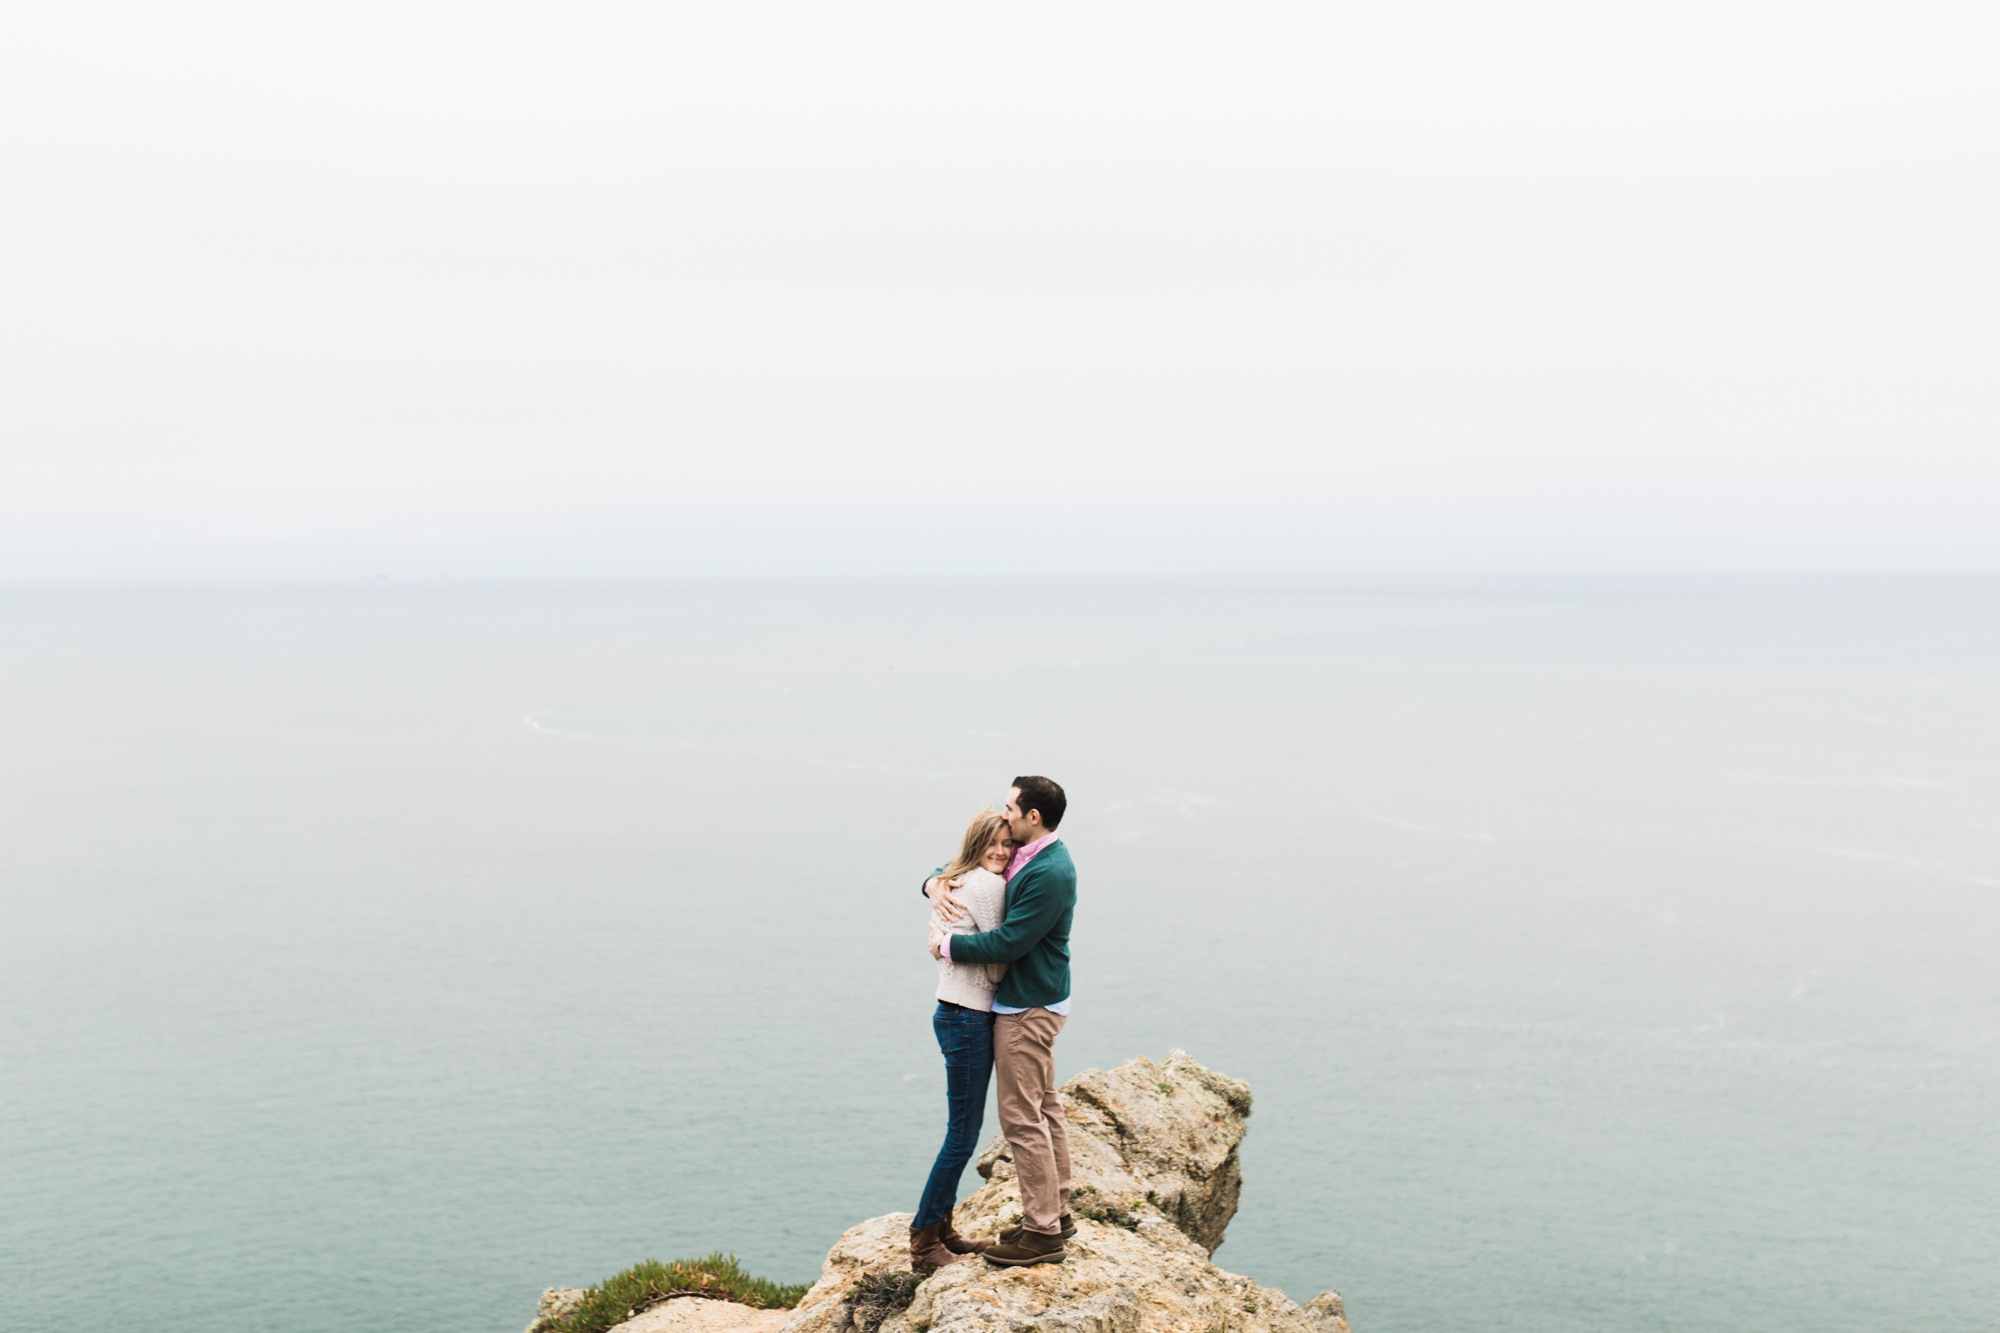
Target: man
[1029,1010]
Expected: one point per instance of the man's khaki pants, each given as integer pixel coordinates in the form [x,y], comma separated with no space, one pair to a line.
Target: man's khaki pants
[1031,1115]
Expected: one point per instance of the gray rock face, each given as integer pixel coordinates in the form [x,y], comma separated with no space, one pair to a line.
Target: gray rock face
[1327,1310]
[557,1303]
[1153,1153]
[1167,1133]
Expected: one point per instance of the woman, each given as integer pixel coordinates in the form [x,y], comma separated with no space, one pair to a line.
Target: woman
[964,1026]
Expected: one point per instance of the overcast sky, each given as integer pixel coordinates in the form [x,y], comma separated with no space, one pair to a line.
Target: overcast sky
[686,289]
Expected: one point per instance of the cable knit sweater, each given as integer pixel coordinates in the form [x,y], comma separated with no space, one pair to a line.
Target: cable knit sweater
[972,984]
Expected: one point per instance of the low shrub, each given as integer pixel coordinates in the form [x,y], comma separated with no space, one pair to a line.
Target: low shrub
[878,1295]
[644,1285]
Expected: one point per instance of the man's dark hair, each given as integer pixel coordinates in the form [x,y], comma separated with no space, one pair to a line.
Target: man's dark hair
[1045,796]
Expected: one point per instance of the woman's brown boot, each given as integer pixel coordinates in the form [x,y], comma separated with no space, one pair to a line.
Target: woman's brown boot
[957,1244]
[926,1250]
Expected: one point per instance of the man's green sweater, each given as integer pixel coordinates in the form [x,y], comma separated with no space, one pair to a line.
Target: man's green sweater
[1034,939]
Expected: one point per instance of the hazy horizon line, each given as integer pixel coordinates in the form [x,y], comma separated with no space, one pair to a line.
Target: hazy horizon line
[1276,581]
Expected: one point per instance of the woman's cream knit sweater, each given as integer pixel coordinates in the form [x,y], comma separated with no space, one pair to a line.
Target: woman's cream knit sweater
[972,984]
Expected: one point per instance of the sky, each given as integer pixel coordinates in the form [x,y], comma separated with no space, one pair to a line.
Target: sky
[426,289]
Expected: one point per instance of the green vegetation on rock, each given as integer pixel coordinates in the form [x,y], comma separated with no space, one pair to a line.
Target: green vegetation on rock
[1113,1214]
[1110,1211]
[644,1285]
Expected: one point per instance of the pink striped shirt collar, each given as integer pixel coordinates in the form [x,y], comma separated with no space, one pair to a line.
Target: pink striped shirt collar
[1023,855]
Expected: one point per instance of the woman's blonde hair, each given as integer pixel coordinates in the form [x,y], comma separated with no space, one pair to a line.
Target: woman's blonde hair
[984,830]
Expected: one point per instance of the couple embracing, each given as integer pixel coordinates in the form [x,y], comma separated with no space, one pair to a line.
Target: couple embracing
[1000,920]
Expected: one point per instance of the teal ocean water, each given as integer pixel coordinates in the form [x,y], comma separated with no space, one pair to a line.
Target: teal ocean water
[1601,958]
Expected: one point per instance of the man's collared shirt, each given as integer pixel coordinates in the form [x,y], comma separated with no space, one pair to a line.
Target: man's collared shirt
[1023,855]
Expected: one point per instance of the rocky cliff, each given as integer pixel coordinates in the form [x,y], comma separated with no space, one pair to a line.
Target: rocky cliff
[1153,1150]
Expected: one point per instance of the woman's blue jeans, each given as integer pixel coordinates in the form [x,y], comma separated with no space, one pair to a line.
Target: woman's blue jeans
[966,1038]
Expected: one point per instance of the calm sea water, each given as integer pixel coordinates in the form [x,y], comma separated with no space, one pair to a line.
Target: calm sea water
[1610,958]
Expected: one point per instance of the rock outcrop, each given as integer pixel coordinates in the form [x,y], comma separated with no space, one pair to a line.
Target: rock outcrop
[1153,1153]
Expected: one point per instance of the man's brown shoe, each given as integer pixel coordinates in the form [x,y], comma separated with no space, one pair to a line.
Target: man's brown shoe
[1067,1226]
[926,1250]
[1030,1247]
[957,1244]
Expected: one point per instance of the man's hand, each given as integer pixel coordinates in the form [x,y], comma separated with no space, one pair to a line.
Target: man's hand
[938,891]
[937,943]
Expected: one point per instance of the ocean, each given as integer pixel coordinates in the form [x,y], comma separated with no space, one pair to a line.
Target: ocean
[1607,956]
